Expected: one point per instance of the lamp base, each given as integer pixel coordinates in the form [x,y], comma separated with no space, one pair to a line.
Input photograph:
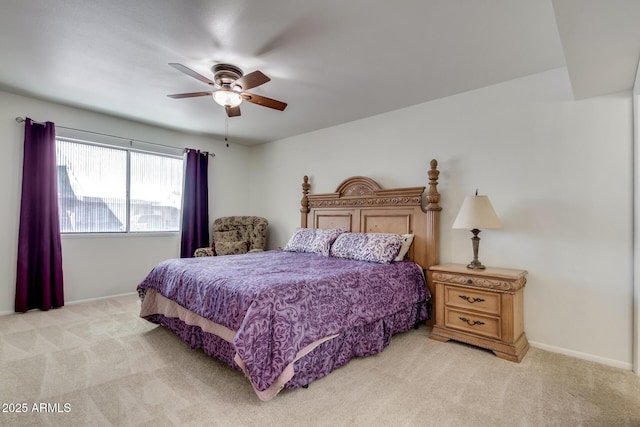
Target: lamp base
[476,265]
[475,241]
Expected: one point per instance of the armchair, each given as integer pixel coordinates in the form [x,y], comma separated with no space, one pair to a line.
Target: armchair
[236,235]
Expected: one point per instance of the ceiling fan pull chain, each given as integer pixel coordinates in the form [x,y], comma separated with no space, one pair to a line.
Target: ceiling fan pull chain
[226,130]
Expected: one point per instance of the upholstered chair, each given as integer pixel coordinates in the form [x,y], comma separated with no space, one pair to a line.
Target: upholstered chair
[236,235]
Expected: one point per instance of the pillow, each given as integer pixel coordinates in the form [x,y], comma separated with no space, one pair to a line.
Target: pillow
[406,244]
[373,247]
[301,240]
[324,239]
[232,248]
[313,240]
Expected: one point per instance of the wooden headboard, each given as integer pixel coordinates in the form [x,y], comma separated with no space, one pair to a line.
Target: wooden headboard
[359,204]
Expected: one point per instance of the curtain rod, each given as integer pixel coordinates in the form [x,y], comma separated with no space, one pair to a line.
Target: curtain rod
[22,120]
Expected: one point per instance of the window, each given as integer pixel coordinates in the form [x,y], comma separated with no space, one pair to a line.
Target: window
[108,189]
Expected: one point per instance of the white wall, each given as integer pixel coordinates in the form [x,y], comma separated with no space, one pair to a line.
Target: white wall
[96,266]
[558,172]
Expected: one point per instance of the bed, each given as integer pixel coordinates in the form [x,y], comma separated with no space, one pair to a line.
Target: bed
[336,291]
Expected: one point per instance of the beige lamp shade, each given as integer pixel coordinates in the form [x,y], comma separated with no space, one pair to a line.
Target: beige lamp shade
[476,212]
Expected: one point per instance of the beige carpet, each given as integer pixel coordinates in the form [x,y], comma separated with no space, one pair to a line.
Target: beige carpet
[97,363]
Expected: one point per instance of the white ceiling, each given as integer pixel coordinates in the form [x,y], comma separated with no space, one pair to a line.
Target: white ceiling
[332,61]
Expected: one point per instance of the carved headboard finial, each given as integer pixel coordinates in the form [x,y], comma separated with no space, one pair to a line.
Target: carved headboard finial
[433,197]
[305,199]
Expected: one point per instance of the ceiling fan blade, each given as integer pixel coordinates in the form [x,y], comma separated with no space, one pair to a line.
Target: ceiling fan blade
[251,80]
[189,95]
[232,111]
[264,101]
[193,74]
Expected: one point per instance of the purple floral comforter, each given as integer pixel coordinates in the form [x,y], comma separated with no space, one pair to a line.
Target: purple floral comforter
[280,302]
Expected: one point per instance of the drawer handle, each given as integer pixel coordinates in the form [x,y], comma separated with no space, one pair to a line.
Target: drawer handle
[469,281]
[471,322]
[470,300]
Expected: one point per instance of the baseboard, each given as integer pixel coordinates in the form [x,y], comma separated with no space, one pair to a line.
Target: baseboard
[80,301]
[585,356]
[99,298]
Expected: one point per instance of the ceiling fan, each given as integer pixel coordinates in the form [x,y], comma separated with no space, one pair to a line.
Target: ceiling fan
[230,86]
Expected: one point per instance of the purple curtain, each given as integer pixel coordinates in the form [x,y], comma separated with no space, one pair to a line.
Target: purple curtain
[195,204]
[39,273]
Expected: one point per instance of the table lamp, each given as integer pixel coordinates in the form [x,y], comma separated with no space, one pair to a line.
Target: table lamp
[475,213]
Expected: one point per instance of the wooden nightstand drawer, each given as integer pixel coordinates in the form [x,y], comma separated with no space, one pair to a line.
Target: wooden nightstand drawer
[472,299]
[473,323]
[489,283]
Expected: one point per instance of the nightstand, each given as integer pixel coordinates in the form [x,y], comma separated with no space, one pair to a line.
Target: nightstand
[481,307]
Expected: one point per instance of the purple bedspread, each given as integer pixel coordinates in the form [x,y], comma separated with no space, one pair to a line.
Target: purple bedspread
[279,302]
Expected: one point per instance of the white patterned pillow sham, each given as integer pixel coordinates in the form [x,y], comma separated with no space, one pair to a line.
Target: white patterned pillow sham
[313,240]
[372,247]
[406,244]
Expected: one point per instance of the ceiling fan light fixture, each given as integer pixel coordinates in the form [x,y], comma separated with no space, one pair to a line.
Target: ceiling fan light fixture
[229,85]
[227,98]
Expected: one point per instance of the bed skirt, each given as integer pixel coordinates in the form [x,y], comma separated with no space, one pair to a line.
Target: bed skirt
[327,356]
